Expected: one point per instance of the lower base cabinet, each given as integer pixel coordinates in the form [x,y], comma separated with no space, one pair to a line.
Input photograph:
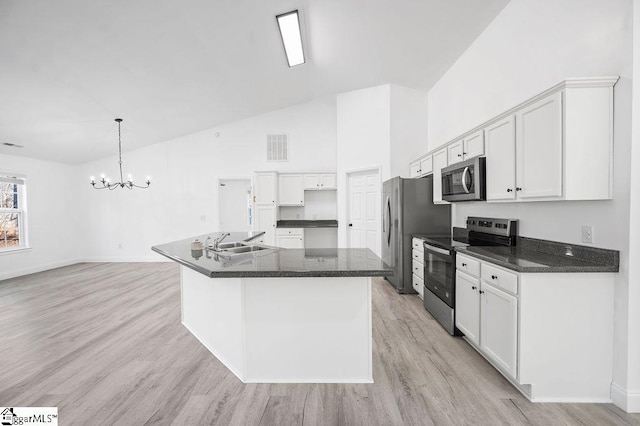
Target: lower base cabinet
[550,334]
[291,238]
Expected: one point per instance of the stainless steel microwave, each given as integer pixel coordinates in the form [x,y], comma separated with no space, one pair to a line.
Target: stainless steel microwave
[464,181]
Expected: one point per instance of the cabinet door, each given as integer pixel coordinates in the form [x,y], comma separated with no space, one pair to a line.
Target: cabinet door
[501,160]
[539,149]
[473,145]
[499,328]
[290,241]
[414,169]
[328,181]
[266,221]
[468,306]
[264,188]
[426,166]
[455,152]
[311,182]
[291,190]
[439,161]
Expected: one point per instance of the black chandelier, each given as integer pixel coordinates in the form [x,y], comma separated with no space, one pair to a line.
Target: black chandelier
[106,184]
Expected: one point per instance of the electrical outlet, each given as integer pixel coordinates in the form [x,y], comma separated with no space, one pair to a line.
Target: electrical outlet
[203,218]
[587,234]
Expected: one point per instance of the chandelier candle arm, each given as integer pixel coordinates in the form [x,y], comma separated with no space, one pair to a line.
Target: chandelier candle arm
[106,183]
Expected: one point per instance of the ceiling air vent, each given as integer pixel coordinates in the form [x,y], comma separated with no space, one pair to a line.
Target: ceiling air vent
[277,148]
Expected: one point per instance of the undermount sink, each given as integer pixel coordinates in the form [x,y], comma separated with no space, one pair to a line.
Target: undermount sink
[226,246]
[247,249]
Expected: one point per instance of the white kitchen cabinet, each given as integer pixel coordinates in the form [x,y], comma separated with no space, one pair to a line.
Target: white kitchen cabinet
[417,253]
[414,170]
[291,190]
[422,167]
[291,238]
[539,149]
[468,306]
[265,220]
[322,181]
[499,327]
[531,327]
[466,148]
[439,161]
[265,188]
[501,159]
[426,165]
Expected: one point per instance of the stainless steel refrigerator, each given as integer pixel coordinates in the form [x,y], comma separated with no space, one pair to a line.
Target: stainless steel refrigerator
[407,208]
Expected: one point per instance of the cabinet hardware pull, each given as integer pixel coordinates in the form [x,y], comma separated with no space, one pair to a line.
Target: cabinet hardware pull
[473,287]
[481,291]
[518,189]
[464,264]
[509,190]
[493,277]
[459,155]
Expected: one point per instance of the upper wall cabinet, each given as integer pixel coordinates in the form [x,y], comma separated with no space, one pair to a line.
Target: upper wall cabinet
[468,147]
[265,188]
[320,181]
[422,167]
[557,145]
[291,190]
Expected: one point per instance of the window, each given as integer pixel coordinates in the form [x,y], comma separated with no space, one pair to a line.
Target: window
[12,212]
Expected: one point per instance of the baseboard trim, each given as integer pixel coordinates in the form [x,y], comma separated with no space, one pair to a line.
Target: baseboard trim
[124,259]
[628,400]
[38,268]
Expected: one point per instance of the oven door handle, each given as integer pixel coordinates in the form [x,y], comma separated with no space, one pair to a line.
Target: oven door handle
[464,179]
[436,249]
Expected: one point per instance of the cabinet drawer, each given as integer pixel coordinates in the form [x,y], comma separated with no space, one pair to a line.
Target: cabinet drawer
[418,285]
[417,244]
[418,256]
[289,231]
[500,278]
[418,269]
[468,265]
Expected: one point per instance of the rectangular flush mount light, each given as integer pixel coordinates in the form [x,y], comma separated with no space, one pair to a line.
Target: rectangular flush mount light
[289,26]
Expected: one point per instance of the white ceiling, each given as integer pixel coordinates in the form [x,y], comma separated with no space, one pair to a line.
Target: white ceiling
[170,68]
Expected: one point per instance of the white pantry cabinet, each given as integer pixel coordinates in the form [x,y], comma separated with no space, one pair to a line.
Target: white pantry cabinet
[322,181]
[265,220]
[265,188]
[291,238]
[550,334]
[439,161]
[291,190]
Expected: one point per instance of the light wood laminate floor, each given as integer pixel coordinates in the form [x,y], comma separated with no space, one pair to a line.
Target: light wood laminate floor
[104,343]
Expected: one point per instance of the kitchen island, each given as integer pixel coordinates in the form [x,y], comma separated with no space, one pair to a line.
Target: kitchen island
[281,315]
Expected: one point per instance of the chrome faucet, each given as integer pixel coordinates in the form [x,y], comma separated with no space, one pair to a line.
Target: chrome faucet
[219,240]
[206,242]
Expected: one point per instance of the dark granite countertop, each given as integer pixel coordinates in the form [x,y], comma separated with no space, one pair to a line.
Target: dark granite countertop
[307,224]
[533,255]
[278,263]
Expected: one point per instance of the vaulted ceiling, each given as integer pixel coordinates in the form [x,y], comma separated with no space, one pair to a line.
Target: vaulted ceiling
[170,68]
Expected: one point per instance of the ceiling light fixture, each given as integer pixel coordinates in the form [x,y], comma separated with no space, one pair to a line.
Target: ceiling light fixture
[106,184]
[289,26]
[12,145]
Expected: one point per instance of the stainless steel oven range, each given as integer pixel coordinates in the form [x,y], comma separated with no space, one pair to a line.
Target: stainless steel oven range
[440,262]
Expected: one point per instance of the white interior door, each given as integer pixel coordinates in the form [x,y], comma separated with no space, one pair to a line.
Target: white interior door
[235,205]
[364,210]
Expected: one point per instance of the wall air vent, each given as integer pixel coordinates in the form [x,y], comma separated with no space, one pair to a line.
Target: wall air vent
[12,145]
[277,148]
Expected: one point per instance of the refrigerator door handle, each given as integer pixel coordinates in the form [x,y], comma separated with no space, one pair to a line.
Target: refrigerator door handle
[388,221]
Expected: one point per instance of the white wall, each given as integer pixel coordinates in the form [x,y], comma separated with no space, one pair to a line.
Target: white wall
[529,47]
[408,128]
[183,198]
[53,213]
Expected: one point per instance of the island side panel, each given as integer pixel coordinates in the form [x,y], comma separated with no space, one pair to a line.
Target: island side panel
[211,311]
[308,330]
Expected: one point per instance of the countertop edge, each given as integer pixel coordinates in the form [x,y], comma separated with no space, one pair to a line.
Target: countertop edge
[541,269]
